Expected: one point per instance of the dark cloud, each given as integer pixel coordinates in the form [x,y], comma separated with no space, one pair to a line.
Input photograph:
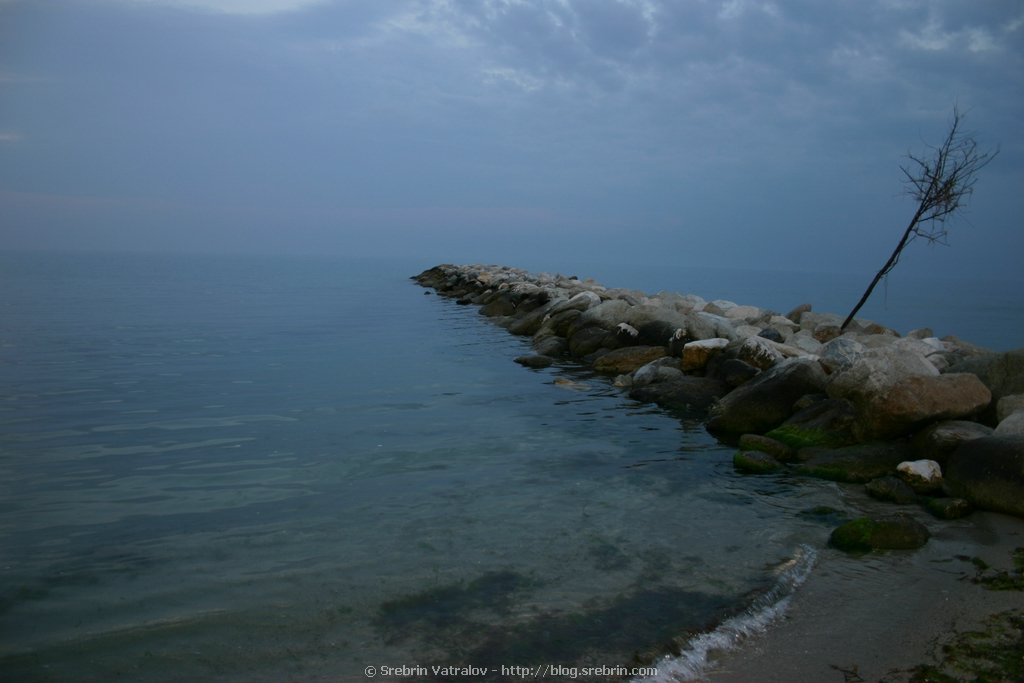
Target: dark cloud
[755,129]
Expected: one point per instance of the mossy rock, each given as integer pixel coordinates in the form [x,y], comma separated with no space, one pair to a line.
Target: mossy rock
[857,464]
[765,444]
[891,489]
[948,508]
[797,437]
[755,462]
[865,534]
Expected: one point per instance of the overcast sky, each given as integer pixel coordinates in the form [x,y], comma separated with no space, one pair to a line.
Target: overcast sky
[744,133]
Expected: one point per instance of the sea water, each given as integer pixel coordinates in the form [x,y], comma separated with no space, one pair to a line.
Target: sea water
[308,469]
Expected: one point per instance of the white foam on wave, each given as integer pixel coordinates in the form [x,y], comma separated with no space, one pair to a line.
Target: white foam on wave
[691,663]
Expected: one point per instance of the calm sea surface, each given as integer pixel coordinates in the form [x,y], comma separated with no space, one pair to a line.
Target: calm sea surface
[272,469]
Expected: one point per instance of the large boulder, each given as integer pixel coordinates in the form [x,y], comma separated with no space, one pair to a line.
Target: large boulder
[627,359]
[606,314]
[874,371]
[989,472]
[703,325]
[767,400]
[820,422]
[917,400]
[1002,373]
[841,353]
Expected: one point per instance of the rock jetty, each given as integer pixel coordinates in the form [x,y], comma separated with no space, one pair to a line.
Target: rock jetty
[934,421]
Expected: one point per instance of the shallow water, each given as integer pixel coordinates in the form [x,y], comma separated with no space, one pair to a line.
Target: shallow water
[292,469]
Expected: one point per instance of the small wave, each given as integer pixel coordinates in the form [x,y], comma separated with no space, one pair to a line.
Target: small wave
[691,663]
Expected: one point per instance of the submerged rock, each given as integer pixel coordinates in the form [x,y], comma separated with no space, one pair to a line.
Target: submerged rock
[776,449]
[755,462]
[865,534]
[535,361]
[891,489]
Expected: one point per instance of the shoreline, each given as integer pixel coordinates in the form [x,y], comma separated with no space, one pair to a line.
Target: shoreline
[881,617]
[801,394]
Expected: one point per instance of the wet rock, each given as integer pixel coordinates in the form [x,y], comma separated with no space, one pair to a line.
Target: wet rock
[767,400]
[550,345]
[499,304]
[535,361]
[989,472]
[685,394]
[659,370]
[529,323]
[627,359]
[891,489]
[923,476]
[899,532]
[755,462]
[764,444]
[558,323]
[826,422]
[859,463]
[949,508]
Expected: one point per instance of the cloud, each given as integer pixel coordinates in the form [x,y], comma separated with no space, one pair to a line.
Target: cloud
[244,7]
[8,137]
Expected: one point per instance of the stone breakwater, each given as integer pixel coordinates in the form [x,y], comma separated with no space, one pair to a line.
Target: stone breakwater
[915,418]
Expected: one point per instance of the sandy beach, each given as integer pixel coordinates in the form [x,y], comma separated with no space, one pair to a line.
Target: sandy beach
[874,618]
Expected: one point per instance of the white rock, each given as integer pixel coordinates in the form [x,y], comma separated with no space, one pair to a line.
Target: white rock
[759,352]
[696,354]
[921,474]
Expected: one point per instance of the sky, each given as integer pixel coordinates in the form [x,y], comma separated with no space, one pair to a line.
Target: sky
[738,133]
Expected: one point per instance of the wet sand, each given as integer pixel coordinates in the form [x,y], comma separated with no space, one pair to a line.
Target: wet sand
[877,616]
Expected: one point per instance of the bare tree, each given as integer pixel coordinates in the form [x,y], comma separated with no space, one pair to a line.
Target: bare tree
[940,182]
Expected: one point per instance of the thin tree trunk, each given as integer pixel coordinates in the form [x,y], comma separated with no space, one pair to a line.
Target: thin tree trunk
[889,265]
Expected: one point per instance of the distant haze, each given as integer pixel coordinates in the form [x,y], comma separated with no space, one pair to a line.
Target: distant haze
[738,133]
